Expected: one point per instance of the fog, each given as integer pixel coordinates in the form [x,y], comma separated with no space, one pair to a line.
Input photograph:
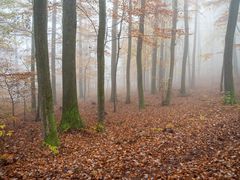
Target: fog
[210,38]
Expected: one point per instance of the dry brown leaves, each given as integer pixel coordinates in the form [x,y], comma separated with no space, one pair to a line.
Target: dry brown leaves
[196,137]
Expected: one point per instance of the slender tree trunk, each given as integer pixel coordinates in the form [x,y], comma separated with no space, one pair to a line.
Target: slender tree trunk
[53,48]
[114,49]
[70,114]
[80,68]
[228,53]
[85,84]
[172,50]
[44,83]
[100,59]
[194,48]
[189,69]
[235,60]
[33,84]
[13,106]
[117,59]
[222,79]
[128,97]
[154,58]
[199,48]
[161,63]
[186,45]
[139,57]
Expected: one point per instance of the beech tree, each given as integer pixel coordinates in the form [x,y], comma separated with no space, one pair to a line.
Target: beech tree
[80,68]
[139,56]
[33,71]
[53,51]
[129,54]
[228,53]
[42,60]
[172,52]
[194,47]
[161,59]
[100,60]
[154,55]
[70,113]
[185,51]
[114,50]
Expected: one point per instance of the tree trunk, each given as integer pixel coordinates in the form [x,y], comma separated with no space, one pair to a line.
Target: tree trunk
[100,59]
[185,53]
[161,63]
[44,83]
[172,50]
[194,48]
[129,55]
[53,53]
[80,68]
[33,85]
[114,49]
[117,59]
[222,78]
[228,53]
[154,58]
[139,57]
[235,60]
[70,115]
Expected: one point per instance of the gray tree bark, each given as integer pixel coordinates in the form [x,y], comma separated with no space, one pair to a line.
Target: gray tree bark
[228,52]
[70,113]
[53,51]
[139,57]
[129,55]
[44,83]
[154,57]
[100,59]
[161,63]
[193,83]
[186,46]
[33,71]
[114,50]
[172,50]
[80,68]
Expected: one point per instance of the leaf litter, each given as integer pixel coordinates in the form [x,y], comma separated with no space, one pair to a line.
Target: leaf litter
[191,139]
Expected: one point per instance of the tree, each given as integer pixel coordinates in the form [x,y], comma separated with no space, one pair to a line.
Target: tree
[53,51]
[117,59]
[100,60]
[80,68]
[228,53]
[70,113]
[185,51]
[12,82]
[139,56]
[235,59]
[194,48]
[172,52]
[129,54]
[33,83]
[42,61]
[161,63]
[114,50]
[154,57]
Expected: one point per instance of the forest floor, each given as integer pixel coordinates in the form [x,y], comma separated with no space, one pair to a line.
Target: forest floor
[197,137]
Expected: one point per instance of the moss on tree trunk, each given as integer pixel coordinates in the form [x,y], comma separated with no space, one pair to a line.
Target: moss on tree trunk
[44,85]
[228,53]
[70,115]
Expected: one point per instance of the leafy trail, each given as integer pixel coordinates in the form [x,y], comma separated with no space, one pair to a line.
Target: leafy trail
[196,137]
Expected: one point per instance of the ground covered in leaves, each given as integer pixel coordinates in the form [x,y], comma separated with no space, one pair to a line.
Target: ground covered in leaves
[196,137]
